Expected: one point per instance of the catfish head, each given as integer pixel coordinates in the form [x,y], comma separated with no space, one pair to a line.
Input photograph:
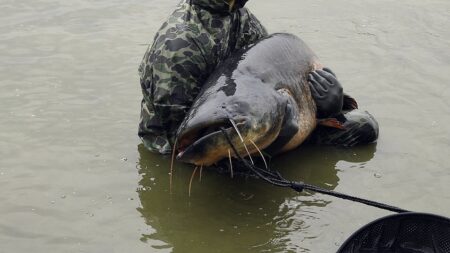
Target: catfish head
[254,114]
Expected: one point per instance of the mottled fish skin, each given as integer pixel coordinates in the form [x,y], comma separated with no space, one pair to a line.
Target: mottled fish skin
[264,89]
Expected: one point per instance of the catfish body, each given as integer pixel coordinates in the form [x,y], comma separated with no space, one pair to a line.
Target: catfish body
[262,92]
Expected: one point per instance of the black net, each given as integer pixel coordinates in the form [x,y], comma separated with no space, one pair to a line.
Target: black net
[402,233]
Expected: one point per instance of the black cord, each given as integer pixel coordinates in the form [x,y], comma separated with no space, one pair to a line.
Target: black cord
[275,178]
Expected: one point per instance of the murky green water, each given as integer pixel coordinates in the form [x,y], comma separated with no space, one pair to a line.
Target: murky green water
[74,177]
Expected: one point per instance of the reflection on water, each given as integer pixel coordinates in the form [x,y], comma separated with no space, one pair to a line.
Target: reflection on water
[248,212]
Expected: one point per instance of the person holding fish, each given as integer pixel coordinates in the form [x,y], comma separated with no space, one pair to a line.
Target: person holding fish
[200,35]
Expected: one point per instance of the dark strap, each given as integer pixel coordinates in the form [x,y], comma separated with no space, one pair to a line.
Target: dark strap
[275,178]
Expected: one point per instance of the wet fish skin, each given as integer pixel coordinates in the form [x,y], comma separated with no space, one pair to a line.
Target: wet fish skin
[264,89]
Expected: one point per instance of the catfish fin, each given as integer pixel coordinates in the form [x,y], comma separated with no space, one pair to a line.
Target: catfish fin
[288,130]
[331,122]
[349,103]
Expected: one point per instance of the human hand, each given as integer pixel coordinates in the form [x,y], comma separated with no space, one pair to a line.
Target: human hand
[327,92]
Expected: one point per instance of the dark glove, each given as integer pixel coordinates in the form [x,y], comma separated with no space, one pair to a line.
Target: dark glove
[327,92]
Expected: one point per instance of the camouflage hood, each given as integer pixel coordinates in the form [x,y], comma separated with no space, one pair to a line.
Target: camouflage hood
[220,5]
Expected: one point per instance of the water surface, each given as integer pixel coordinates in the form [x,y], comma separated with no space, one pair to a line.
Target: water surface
[74,177]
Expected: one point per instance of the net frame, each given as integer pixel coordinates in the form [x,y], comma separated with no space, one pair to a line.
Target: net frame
[401,233]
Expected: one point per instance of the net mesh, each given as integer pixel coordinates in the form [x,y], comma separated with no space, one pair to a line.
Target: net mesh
[402,233]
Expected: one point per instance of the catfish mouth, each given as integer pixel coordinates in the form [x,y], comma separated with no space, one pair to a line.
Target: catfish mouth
[206,142]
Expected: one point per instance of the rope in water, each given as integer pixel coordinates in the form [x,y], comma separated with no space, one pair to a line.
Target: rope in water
[275,178]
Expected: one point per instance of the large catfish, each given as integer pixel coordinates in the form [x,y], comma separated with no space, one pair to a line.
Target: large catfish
[262,92]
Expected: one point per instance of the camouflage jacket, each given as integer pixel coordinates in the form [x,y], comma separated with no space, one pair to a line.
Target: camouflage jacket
[190,44]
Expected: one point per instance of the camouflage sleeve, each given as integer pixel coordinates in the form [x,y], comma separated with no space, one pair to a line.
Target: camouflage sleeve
[177,71]
[171,76]
[251,29]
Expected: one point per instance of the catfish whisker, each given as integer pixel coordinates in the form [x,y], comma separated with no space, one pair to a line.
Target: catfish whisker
[192,178]
[171,164]
[231,164]
[262,156]
[201,172]
[237,130]
[249,155]
[242,140]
